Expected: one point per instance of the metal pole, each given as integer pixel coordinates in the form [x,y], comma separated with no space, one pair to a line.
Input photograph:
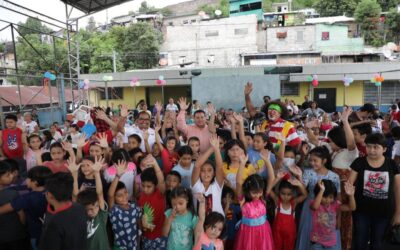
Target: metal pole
[379,96]
[106,90]
[134,94]
[69,58]
[114,61]
[62,95]
[16,65]
[1,112]
[51,101]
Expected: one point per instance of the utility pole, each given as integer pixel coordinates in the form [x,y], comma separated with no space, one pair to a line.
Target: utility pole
[114,61]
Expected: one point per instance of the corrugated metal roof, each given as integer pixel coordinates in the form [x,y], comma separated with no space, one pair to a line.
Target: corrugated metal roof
[32,95]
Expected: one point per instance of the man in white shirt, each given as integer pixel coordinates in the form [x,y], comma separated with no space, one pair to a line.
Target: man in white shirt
[29,125]
[142,124]
[171,106]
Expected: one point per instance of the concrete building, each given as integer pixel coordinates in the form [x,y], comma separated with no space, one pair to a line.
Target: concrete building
[292,38]
[217,42]
[224,86]
[7,62]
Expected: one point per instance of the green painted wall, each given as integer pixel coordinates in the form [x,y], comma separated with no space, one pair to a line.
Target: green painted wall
[234,8]
[338,39]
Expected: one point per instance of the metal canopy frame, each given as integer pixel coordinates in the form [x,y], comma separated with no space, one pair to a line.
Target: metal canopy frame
[92,6]
[70,25]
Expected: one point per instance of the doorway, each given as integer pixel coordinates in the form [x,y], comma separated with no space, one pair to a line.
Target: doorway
[326,99]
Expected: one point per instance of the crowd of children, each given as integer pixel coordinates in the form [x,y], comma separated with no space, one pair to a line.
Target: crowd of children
[177,180]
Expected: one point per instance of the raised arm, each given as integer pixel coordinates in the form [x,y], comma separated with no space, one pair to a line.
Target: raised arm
[303,191]
[351,206]
[80,144]
[97,166]
[200,161]
[158,139]
[350,141]
[211,122]
[74,168]
[265,154]
[146,141]
[159,174]
[158,107]
[100,114]
[181,122]
[317,201]
[249,104]
[239,119]
[219,172]
[202,216]
[121,168]
[239,176]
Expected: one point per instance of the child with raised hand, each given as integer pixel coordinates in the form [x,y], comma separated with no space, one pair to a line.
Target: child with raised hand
[87,175]
[255,231]
[33,204]
[128,178]
[180,220]
[169,156]
[325,212]
[185,165]
[125,216]
[57,152]
[209,228]
[95,206]
[260,143]
[284,226]
[320,161]
[152,201]
[208,179]
[33,151]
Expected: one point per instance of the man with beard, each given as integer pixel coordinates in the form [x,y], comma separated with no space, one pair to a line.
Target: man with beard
[275,124]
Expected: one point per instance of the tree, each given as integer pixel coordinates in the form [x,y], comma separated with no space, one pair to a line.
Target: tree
[386,5]
[367,15]
[144,8]
[140,49]
[393,24]
[223,6]
[36,53]
[335,8]
[91,26]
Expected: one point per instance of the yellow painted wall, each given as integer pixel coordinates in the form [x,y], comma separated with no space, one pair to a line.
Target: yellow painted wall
[155,94]
[128,97]
[354,93]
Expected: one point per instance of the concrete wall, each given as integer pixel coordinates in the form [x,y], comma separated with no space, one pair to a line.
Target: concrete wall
[299,38]
[227,91]
[339,40]
[195,43]
[299,59]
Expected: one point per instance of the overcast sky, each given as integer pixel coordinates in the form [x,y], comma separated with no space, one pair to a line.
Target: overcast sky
[56,9]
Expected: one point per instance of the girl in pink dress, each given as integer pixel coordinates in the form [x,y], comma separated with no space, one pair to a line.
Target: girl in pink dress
[255,231]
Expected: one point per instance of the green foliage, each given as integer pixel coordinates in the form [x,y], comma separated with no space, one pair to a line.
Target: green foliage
[296,4]
[2,47]
[144,8]
[141,46]
[393,24]
[223,6]
[335,8]
[367,16]
[386,5]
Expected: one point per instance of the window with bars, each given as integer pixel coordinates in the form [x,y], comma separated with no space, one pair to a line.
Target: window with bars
[390,92]
[113,93]
[290,88]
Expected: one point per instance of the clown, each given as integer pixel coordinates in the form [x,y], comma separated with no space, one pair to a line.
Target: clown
[275,124]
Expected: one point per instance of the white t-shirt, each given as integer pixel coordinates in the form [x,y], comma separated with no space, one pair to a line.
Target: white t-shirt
[128,178]
[344,158]
[29,127]
[171,107]
[396,149]
[186,174]
[130,130]
[214,190]
[75,137]
[57,136]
